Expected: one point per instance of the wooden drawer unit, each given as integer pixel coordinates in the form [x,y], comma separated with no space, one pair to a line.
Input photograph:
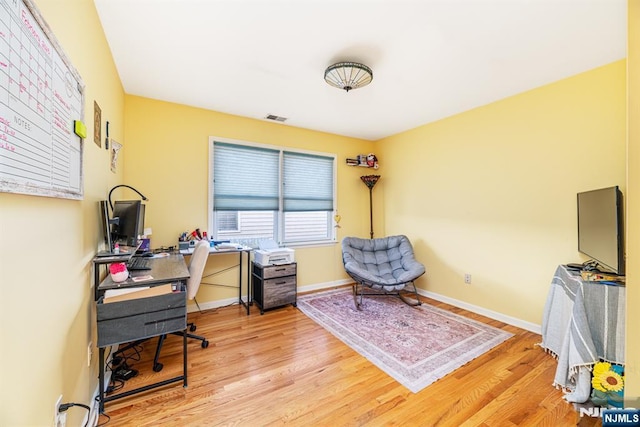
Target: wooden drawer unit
[274,285]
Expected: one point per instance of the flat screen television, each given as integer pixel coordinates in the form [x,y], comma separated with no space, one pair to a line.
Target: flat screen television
[601,229]
[130,222]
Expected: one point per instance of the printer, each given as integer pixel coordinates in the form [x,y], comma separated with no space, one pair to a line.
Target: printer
[270,254]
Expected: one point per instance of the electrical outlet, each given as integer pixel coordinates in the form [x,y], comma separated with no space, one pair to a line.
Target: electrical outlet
[89,353]
[467,278]
[58,419]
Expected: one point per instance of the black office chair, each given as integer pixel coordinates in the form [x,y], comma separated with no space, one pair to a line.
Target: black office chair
[196,268]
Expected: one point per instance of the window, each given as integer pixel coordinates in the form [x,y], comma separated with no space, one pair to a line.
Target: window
[261,192]
[228,221]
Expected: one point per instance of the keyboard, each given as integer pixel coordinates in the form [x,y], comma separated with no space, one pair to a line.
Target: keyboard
[138,263]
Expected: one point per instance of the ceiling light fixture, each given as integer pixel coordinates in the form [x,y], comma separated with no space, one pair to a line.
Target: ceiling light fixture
[348,75]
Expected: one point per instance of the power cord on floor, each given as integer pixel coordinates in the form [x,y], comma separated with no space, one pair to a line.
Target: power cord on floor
[120,369]
[106,422]
[102,415]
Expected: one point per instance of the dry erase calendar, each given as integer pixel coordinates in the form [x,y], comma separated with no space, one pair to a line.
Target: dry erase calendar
[41,95]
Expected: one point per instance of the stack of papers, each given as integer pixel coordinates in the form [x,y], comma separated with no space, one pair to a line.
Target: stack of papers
[118,295]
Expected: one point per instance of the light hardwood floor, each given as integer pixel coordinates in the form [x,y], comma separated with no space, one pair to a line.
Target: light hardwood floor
[282,368]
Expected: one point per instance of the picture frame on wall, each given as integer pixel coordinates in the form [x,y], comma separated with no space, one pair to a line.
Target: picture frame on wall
[115,149]
[97,124]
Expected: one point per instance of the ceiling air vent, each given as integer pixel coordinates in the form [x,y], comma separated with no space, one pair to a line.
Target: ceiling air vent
[276,118]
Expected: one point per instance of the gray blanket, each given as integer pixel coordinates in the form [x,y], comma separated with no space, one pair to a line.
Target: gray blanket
[583,323]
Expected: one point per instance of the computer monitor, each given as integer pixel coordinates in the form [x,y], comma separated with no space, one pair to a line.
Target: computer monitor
[105,224]
[130,221]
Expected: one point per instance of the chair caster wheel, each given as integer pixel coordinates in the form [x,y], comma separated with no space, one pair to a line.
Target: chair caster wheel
[157,367]
[205,344]
[192,328]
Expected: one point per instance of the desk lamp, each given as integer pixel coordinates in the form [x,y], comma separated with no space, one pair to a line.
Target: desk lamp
[127,186]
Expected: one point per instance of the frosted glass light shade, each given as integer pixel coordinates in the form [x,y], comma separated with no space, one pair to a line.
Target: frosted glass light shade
[348,75]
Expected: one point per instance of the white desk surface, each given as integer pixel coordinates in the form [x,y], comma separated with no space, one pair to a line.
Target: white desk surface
[212,249]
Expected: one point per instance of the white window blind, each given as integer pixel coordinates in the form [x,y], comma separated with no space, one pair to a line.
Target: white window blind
[307,182]
[245,178]
[275,192]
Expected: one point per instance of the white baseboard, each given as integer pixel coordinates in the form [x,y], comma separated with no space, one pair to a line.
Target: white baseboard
[519,323]
[214,304]
[324,285]
[91,419]
[94,414]
[513,321]
[231,301]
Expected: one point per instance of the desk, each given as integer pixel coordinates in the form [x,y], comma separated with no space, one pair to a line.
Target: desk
[582,323]
[240,251]
[143,318]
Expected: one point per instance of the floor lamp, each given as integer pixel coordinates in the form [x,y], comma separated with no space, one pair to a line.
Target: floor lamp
[370,182]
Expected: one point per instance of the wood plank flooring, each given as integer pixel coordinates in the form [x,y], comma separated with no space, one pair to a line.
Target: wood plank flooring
[282,368]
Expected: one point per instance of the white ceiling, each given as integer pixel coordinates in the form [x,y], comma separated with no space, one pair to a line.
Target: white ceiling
[430,58]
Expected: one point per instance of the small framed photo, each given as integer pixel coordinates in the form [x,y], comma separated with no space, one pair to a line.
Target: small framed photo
[97,124]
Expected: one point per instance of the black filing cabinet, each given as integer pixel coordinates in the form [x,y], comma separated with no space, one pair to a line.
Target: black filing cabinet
[274,285]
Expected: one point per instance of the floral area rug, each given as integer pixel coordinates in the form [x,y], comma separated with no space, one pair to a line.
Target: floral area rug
[414,345]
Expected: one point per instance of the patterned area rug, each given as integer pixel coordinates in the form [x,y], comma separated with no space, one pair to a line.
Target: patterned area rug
[414,345]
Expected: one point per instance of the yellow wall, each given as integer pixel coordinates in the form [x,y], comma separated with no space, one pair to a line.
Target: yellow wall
[632,357]
[492,192]
[166,158]
[46,310]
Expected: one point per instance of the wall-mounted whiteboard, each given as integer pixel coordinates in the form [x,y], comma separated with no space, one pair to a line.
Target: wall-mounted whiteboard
[41,95]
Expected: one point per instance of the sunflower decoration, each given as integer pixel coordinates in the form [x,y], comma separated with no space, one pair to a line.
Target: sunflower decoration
[608,384]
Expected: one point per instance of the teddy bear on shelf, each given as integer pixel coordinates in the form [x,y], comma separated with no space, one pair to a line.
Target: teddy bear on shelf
[372,161]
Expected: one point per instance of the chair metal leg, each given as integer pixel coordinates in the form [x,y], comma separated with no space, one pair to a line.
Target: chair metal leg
[205,342]
[408,301]
[157,366]
[357,303]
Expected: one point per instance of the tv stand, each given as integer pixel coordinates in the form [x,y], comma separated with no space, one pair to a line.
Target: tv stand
[583,322]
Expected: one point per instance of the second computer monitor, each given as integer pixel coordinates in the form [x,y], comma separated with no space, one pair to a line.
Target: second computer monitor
[106,224]
[130,224]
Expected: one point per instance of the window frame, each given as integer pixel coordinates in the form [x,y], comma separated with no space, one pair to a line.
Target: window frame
[279,214]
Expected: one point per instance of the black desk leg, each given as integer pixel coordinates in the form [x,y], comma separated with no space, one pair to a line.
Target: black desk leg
[184,357]
[249,287]
[240,280]
[101,380]
[240,300]
[96,281]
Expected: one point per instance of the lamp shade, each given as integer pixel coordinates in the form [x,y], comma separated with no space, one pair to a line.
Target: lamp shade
[370,180]
[348,75]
